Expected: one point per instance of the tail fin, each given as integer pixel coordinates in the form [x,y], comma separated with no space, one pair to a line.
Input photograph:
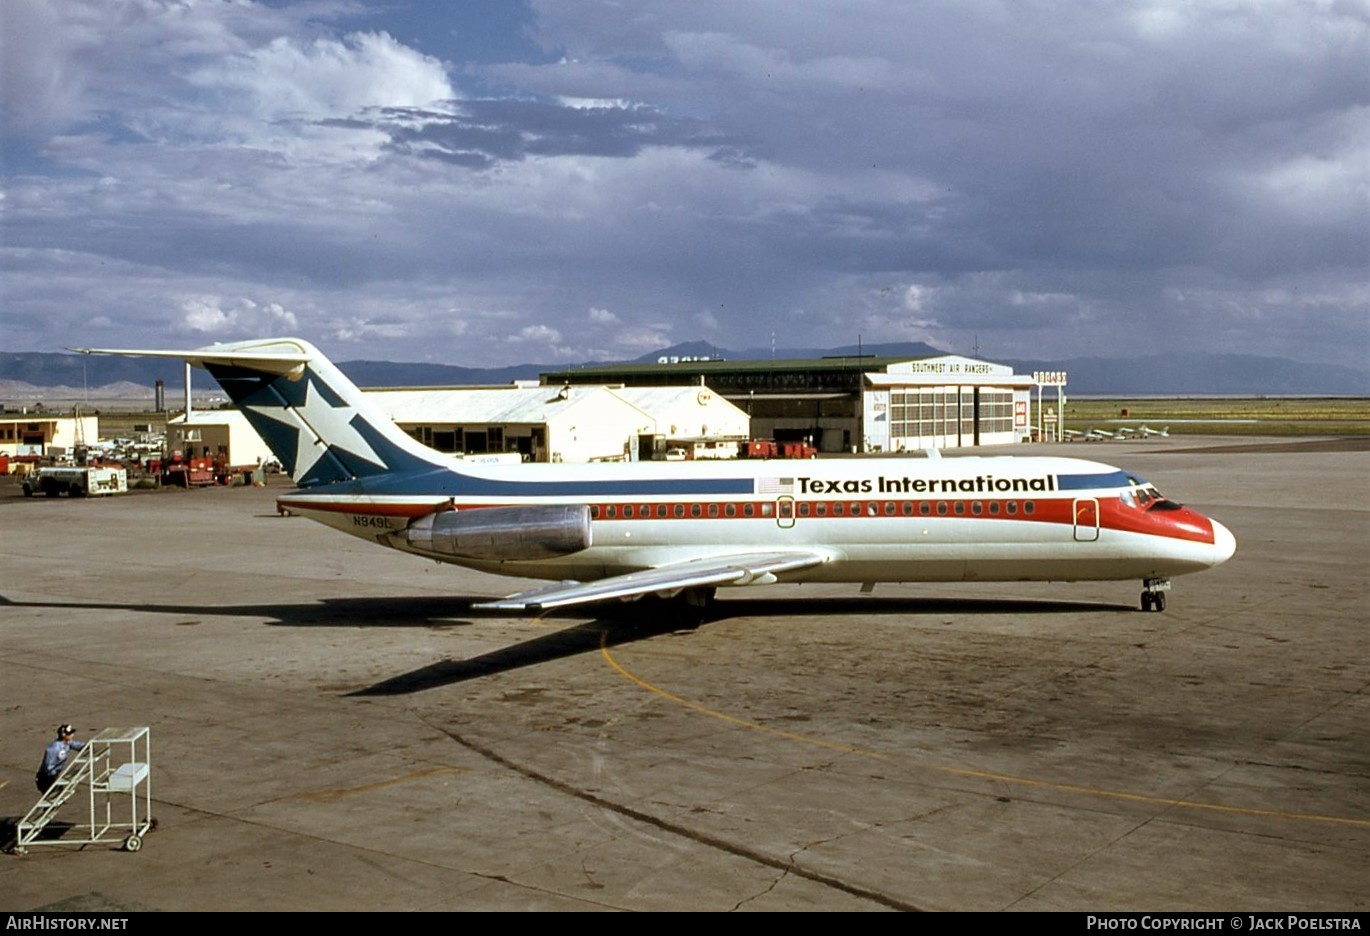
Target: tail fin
[315,420]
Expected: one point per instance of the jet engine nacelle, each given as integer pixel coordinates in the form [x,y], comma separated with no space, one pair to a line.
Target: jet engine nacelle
[500,534]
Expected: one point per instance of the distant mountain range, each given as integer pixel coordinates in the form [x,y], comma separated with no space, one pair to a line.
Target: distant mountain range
[28,375]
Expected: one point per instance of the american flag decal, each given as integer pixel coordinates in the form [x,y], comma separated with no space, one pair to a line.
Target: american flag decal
[775,485]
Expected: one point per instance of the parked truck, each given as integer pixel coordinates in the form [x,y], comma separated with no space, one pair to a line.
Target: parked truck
[75,481]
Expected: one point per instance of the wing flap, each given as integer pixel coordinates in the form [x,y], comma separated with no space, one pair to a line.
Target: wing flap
[738,569]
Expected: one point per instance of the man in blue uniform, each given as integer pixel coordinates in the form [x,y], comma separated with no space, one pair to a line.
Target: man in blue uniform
[55,757]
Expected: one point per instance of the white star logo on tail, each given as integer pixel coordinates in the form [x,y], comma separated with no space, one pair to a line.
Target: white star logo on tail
[320,425]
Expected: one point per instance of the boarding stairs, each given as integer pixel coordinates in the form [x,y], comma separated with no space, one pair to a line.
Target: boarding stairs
[114,771]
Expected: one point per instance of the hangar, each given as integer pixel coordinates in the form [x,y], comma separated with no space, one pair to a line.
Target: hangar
[851,403]
[536,422]
[568,423]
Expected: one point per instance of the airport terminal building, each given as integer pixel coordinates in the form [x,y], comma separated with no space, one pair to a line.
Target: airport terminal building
[851,403]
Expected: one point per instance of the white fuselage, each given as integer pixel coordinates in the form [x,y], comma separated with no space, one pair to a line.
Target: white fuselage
[880,520]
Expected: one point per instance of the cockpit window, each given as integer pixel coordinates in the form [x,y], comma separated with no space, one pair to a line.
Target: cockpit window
[1144,496]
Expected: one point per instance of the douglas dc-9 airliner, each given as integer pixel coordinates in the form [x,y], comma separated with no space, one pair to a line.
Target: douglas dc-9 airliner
[683,529]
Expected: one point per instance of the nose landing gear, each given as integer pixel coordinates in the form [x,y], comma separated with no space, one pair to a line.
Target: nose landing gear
[1153,594]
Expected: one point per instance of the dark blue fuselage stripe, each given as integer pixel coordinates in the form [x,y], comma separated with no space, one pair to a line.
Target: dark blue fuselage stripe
[450,483]
[1112,479]
[622,488]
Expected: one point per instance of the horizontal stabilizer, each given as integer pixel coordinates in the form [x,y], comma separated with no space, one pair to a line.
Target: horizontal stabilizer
[288,357]
[316,422]
[739,569]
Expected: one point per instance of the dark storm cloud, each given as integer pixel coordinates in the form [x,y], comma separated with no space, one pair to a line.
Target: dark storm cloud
[1069,174]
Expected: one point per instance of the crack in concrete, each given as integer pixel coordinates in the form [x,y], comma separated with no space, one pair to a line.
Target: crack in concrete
[673,828]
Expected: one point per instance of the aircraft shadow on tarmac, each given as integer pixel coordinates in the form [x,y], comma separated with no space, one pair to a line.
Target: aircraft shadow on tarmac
[614,625]
[640,620]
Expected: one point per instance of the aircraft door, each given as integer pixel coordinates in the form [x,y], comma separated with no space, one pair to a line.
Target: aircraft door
[1086,511]
[784,511]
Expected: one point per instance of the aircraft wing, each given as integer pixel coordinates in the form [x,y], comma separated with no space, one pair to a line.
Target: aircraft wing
[758,568]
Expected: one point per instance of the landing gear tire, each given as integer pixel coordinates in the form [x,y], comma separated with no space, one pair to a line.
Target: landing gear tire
[692,607]
[1153,593]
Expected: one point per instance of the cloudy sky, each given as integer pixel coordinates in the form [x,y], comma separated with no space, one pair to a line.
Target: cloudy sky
[492,182]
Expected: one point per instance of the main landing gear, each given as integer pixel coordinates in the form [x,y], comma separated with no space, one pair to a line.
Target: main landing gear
[691,607]
[686,609]
[1153,594]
